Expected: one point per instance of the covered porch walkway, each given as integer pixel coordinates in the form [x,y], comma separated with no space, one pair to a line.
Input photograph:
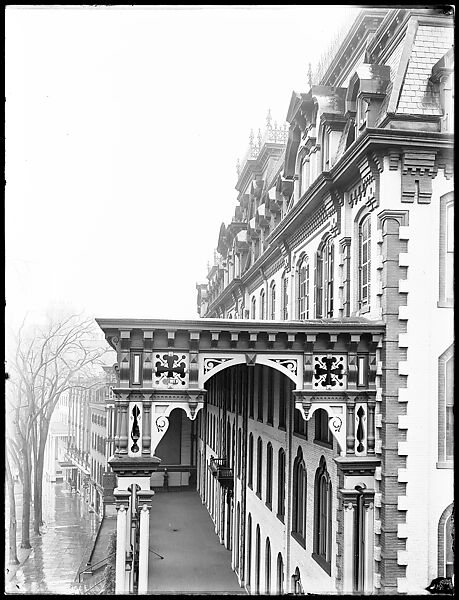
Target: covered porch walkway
[182,531]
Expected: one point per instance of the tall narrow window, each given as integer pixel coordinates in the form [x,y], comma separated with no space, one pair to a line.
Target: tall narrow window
[239,449]
[272,301]
[136,368]
[318,280]
[257,559]
[364,262]
[270,414]
[446,271]
[237,544]
[280,575]
[446,543]
[328,269]
[283,391]
[303,289]
[269,475]
[284,284]
[300,426]
[251,377]
[254,308]
[249,549]
[262,304]
[322,517]
[260,390]
[281,485]
[299,499]
[268,567]
[304,175]
[250,459]
[324,279]
[259,466]
[446,408]
[323,434]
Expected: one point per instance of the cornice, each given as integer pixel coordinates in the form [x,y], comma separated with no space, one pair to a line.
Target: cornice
[192,325]
[345,169]
[227,292]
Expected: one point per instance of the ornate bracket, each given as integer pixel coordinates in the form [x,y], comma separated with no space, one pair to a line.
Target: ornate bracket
[335,406]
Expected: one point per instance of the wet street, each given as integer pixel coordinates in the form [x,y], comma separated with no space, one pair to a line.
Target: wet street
[56,555]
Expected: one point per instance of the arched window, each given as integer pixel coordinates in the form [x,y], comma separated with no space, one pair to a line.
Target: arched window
[268,567]
[249,549]
[233,443]
[323,435]
[239,451]
[446,408]
[280,575]
[364,262]
[257,559]
[322,517]
[272,302]
[446,271]
[304,175]
[281,485]
[445,543]
[228,441]
[303,288]
[262,304]
[324,279]
[284,285]
[269,475]
[259,465]
[250,473]
[299,499]
[254,308]
[237,545]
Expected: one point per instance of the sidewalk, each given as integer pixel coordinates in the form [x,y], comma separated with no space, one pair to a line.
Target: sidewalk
[53,562]
[182,531]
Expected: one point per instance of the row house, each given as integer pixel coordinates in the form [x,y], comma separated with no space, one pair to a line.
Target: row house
[90,422]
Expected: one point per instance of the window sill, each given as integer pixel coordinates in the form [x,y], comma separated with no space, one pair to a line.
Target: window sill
[282,427]
[280,517]
[270,424]
[445,464]
[445,304]
[324,444]
[299,538]
[269,505]
[259,420]
[258,494]
[320,560]
[301,435]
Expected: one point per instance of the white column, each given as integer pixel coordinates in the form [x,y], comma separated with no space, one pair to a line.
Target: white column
[348,548]
[120,550]
[143,548]
[369,547]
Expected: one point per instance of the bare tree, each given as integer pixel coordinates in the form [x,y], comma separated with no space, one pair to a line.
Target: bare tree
[45,364]
[13,554]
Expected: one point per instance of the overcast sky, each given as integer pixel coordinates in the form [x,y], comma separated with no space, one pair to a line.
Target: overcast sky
[123,127]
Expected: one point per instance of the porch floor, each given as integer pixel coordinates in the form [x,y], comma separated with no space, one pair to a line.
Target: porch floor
[182,531]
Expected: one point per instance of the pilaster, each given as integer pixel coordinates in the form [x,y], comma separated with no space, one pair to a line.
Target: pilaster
[391,513]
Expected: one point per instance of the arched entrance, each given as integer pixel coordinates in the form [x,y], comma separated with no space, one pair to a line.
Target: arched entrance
[220,369]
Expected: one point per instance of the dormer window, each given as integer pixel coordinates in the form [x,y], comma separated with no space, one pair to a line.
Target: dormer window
[304,175]
[363,108]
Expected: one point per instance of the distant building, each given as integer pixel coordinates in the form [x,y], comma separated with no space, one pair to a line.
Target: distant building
[90,434]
